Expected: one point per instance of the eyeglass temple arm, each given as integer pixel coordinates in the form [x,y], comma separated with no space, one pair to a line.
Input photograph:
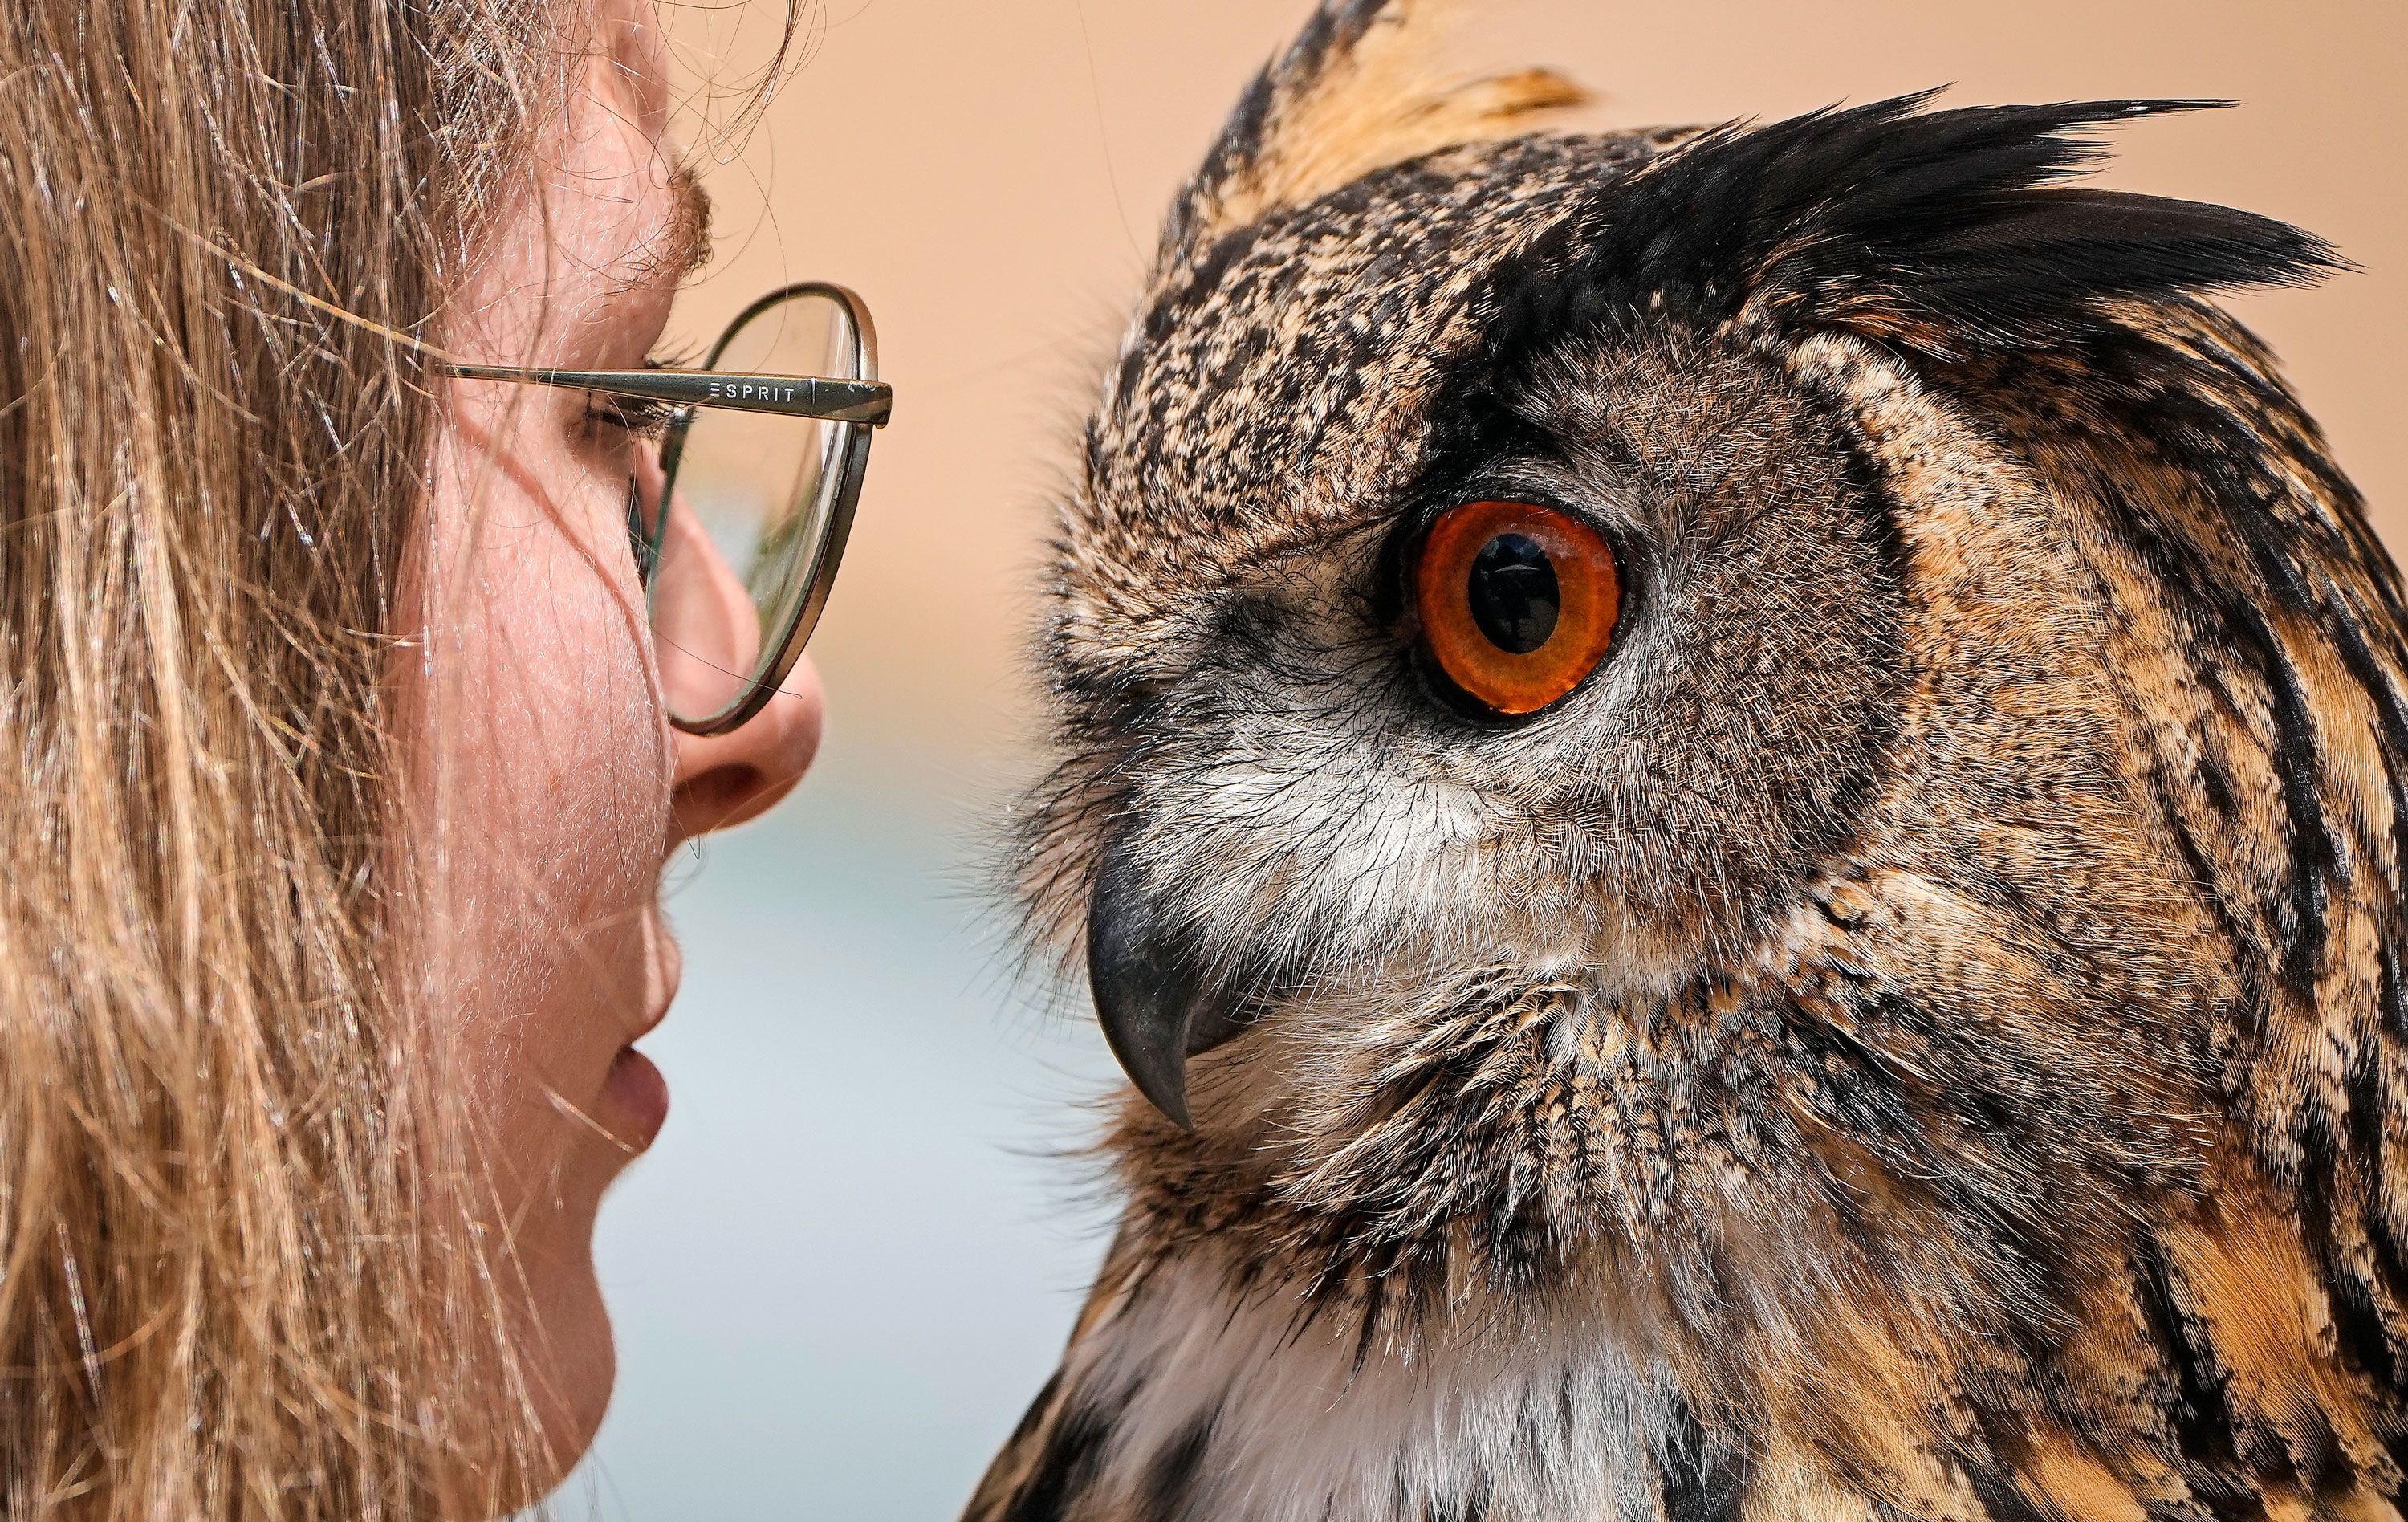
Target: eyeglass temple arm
[789,396]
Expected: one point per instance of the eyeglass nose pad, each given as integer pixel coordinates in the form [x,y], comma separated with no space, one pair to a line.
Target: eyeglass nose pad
[640,542]
[646,531]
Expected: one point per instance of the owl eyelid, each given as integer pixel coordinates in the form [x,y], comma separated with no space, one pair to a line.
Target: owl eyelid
[1539,487]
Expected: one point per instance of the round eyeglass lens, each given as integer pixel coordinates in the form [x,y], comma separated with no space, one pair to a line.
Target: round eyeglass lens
[759,505]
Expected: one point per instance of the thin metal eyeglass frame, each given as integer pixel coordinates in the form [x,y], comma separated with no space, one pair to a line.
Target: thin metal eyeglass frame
[861,405]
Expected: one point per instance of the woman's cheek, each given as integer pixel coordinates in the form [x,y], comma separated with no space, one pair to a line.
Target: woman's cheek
[553,756]
[591,763]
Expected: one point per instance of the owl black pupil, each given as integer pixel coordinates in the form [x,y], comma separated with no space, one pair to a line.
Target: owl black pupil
[1514,598]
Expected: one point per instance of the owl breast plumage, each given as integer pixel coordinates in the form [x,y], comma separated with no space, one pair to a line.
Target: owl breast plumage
[1736,797]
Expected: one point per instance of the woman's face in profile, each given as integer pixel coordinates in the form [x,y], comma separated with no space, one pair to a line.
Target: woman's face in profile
[554,791]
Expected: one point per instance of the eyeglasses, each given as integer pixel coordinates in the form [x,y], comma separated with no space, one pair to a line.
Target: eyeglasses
[744,494]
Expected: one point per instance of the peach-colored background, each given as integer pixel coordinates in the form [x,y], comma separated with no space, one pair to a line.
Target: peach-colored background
[991,176]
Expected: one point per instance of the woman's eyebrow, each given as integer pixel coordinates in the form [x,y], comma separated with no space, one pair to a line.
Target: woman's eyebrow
[681,246]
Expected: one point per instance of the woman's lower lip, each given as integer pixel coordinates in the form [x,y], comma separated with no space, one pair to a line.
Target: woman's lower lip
[638,1098]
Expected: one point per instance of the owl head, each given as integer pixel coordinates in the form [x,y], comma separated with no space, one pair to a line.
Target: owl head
[1668,697]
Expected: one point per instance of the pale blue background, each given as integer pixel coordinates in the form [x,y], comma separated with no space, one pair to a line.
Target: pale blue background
[853,1256]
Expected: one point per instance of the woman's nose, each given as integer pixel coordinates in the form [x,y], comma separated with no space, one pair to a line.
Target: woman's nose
[722,779]
[706,637]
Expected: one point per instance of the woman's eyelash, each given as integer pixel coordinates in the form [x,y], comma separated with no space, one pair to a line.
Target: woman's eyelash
[637,417]
[640,417]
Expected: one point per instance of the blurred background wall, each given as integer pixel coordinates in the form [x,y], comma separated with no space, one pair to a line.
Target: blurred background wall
[853,1255]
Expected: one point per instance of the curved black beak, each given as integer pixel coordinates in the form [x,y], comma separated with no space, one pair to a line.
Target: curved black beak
[1156,1003]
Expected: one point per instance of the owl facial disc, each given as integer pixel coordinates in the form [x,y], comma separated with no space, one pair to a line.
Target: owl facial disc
[1156,1003]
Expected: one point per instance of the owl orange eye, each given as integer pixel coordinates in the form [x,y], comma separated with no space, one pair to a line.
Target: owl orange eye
[1517,602]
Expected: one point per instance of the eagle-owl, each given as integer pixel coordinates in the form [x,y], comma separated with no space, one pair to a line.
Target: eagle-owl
[1737,797]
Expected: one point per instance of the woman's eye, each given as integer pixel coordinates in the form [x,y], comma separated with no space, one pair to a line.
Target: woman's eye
[631,417]
[1517,602]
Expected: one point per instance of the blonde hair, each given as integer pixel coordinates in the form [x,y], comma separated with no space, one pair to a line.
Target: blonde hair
[231,1275]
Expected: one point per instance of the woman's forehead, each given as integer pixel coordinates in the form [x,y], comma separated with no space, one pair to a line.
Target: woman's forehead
[639,57]
[583,273]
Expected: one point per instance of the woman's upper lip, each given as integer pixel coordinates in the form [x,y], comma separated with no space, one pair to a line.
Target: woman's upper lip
[651,1021]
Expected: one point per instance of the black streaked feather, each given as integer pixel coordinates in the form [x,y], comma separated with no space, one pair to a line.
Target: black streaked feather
[1941,229]
[1703,1480]
[1168,1493]
[1067,1466]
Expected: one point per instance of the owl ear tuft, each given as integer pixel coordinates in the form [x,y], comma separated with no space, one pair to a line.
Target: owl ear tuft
[1363,86]
[1942,231]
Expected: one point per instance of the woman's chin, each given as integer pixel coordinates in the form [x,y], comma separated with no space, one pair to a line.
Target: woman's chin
[569,1362]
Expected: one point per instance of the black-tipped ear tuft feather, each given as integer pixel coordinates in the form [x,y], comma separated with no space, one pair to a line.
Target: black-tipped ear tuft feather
[1940,230]
[1366,84]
